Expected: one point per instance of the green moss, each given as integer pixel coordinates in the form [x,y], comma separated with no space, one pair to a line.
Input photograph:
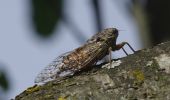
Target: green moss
[61,98]
[138,75]
[48,96]
[32,89]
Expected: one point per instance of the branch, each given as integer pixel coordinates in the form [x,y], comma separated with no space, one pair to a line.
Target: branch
[143,75]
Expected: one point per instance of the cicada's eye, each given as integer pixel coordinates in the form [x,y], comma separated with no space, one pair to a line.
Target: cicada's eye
[115,31]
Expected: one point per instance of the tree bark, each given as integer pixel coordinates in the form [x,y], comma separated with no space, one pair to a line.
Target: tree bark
[142,75]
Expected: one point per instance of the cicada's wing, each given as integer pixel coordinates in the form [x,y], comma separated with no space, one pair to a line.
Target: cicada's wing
[53,70]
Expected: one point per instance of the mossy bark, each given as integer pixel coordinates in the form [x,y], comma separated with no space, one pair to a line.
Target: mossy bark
[142,75]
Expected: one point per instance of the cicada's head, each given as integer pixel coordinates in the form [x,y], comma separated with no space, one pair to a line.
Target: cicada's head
[110,33]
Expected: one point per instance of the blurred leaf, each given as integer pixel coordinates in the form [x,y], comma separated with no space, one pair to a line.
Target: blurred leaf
[97,13]
[3,81]
[159,20]
[46,14]
[76,32]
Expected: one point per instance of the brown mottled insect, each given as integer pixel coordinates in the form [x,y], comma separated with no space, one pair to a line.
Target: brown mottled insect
[100,45]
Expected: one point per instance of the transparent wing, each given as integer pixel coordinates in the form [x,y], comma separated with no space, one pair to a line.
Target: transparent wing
[53,70]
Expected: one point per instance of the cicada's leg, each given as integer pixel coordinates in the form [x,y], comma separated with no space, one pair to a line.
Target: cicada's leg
[120,46]
[110,56]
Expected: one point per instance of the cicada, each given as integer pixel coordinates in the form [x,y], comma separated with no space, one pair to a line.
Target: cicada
[96,48]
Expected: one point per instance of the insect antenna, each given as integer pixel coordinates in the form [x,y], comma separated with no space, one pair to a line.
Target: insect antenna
[121,30]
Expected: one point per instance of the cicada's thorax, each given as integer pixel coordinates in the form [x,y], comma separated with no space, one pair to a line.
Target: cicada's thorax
[107,36]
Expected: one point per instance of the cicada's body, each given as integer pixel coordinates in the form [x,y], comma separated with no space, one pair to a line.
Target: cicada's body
[85,56]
